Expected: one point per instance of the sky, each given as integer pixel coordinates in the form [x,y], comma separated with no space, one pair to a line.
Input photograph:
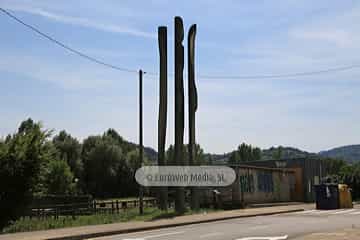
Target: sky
[242,38]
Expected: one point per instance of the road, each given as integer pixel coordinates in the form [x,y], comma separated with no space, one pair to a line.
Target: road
[276,227]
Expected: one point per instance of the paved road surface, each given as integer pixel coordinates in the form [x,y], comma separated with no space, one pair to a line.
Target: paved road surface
[282,226]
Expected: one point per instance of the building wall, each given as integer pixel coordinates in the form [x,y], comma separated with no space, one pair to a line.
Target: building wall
[313,170]
[260,185]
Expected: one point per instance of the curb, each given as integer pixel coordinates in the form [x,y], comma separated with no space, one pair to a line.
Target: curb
[281,204]
[140,229]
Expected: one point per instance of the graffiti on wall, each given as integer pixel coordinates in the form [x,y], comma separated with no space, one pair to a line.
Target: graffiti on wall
[247,183]
[265,182]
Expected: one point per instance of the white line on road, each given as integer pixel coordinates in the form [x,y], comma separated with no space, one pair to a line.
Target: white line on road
[318,212]
[211,234]
[355,213]
[343,211]
[306,212]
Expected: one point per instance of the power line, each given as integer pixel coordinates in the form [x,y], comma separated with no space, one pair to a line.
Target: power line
[81,54]
[289,75]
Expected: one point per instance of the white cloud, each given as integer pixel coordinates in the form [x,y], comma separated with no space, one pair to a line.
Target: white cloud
[83,22]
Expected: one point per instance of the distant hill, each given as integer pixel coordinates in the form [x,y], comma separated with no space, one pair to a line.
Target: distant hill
[350,153]
[266,154]
[284,153]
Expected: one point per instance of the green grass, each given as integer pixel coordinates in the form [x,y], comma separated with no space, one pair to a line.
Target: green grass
[26,224]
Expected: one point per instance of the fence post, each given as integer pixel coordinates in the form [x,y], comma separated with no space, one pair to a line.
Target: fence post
[117,205]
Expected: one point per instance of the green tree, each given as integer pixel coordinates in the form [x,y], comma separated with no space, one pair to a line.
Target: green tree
[244,153]
[59,178]
[277,153]
[102,157]
[69,150]
[22,157]
[350,174]
[200,158]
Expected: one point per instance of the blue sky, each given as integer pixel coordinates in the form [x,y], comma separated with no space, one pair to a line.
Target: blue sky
[47,83]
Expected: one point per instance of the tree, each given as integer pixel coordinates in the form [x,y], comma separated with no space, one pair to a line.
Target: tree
[244,153]
[350,174]
[59,178]
[102,158]
[200,158]
[277,153]
[109,164]
[22,157]
[333,166]
[69,150]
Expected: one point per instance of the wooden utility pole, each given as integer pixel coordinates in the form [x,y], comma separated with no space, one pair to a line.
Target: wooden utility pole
[141,147]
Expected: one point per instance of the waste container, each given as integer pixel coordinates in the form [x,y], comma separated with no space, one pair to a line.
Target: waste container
[327,196]
[345,200]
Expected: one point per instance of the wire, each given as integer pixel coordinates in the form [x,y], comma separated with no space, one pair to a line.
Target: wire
[289,75]
[81,54]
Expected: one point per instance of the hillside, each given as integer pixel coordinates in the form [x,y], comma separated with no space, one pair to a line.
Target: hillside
[266,154]
[350,153]
[284,153]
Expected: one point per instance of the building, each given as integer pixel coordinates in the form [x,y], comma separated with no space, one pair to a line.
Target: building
[309,172]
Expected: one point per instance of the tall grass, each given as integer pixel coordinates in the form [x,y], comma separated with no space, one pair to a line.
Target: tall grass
[26,224]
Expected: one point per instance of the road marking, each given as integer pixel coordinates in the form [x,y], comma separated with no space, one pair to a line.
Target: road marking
[211,234]
[306,212]
[264,238]
[318,212]
[355,213]
[343,211]
[154,236]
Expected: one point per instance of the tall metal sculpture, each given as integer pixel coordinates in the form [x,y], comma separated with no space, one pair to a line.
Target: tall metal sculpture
[162,38]
[179,108]
[192,108]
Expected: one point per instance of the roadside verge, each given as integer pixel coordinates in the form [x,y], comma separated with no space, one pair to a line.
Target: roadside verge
[84,232]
